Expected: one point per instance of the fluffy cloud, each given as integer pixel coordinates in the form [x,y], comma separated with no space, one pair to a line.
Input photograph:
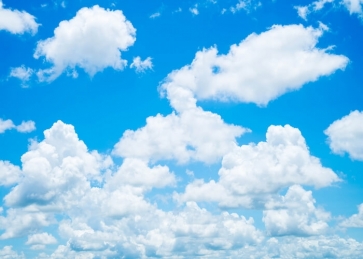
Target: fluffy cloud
[105,209]
[9,173]
[92,40]
[305,247]
[356,220]
[141,65]
[7,252]
[346,135]
[60,163]
[102,210]
[40,240]
[193,134]
[295,214]
[18,222]
[250,174]
[6,125]
[188,232]
[244,74]
[354,6]
[17,22]
[24,127]
[22,73]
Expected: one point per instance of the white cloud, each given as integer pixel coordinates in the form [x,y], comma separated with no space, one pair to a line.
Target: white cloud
[194,10]
[246,5]
[22,73]
[136,173]
[6,125]
[346,135]
[92,40]
[304,247]
[244,74]
[111,217]
[18,222]
[9,173]
[295,214]
[60,163]
[315,6]
[303,11]
[102,210]
[7,252]
[17,22]
[355,221]
[193,134]
[26,126]
[155,15]
[250,174]
[354,6]
[38,241]
[141,65]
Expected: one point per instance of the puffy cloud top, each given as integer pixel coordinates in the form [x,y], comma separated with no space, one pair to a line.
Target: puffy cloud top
[17,22]
[346,135]
[259,69]
[92,40]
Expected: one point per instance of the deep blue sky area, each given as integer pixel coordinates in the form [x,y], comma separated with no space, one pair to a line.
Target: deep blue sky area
[176,129]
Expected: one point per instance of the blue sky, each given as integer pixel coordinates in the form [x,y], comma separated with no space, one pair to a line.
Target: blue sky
[181,129]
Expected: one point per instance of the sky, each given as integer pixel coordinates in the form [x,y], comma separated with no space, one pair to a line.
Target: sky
[181,129]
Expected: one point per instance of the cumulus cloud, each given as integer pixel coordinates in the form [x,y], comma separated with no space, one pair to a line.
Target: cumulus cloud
[17,22]
[193,134]
[346,135]
[110,216]
[18,222]
[250,174]
[22,73]
[58,164]
[9,173]
[24,127]
[355,221]
[141,65]
[295,214]
[92,40]
[354,6]
[7,252]
[40,240]
[244,74]
[6,125]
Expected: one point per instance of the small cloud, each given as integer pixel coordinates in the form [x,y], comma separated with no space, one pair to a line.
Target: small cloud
[155,15]
[141,66]
[6,125]
[17,22]
[26,126]
[194,10]
[179,10]
[22,73]
[246,5]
